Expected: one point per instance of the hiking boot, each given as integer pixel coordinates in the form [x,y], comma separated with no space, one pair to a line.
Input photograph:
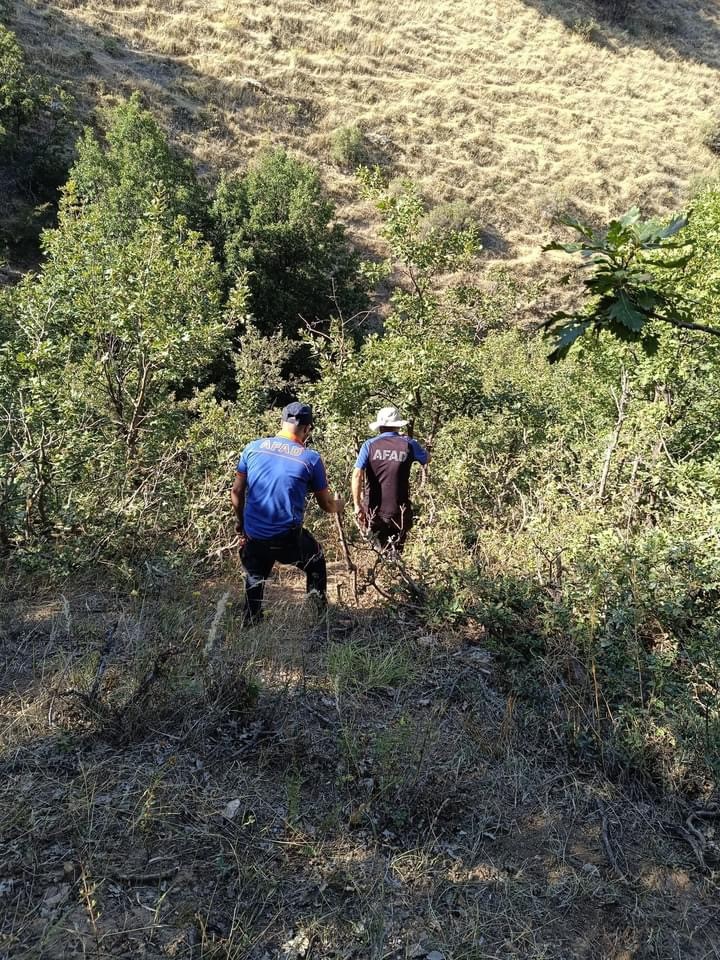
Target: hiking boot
[252,619]
[317,602]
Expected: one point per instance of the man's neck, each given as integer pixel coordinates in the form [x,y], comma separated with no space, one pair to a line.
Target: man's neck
[287,434]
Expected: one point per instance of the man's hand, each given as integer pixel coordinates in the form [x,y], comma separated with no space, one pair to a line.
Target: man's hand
[240,531]
[360,516]
[328,502]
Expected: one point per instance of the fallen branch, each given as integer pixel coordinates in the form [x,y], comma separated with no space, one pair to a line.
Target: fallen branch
[214,626]
[219,551]
[145,877]
[607,845]
[691,841]
[102,663]
[150,677]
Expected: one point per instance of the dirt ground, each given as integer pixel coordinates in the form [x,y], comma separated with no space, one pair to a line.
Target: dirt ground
[173,784]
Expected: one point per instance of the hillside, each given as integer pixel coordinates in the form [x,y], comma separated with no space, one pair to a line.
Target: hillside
[381,799]
[500,742]
[521,109]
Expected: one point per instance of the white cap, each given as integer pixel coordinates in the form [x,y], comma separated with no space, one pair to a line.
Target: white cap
[388,417]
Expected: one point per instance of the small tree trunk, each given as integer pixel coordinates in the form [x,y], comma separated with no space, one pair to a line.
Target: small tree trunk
[621,404]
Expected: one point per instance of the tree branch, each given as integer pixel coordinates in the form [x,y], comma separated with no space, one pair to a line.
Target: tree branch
[688,325]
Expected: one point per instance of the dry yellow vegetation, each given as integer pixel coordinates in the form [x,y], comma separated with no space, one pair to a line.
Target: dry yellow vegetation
[522,109]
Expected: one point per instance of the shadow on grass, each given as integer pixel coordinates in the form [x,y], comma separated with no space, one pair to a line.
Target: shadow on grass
[377,797]
[689,29]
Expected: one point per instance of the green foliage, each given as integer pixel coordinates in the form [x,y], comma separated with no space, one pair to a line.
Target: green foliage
[629,284]
[19,94]
[423,252]
[349,148]
[276,231]
[425,359]
[103,335]
[700,284]
[608,597]
[35,124]
[130,167]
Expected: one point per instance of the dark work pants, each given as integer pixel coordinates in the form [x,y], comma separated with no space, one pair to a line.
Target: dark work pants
[296,547]
[391,532]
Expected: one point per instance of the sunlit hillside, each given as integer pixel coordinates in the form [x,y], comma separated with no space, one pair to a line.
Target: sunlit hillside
[522,108]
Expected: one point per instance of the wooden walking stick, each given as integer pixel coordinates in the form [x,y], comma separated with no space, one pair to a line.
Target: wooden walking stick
[349,565]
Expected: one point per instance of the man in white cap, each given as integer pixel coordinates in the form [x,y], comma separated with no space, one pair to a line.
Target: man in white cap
[381,480]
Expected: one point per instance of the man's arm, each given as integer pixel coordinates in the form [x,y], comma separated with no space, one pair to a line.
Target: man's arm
[319,486]
[237,496]
[420,453]
[328,502]
[358,485]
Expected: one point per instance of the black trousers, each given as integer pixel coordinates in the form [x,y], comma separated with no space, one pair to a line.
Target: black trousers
[391,532]
[296,547]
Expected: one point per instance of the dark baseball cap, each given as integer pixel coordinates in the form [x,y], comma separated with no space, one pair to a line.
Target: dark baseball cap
[297,413]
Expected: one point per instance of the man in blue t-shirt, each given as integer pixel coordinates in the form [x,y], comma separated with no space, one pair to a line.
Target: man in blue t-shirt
[383,469]
[273,479]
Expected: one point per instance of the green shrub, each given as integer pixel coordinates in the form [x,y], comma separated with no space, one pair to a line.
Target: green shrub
[102,335]
[35,146]
[349,147]
[20,97]
[276,229]
[452,217]
[131,166]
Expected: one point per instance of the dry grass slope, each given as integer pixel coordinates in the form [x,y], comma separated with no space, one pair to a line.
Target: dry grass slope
[520,108]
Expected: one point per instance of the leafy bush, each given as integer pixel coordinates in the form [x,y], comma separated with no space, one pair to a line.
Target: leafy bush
[276,231]
[349,147]
[19,95]
[35,125]
[453,217]
[101,337]
[132,166]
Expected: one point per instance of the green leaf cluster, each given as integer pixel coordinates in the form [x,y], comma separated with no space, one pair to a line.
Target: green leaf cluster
[629,274]
[129,167]
[35,145]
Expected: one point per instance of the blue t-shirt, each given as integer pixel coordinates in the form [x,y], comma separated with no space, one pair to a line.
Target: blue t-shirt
[280,473]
